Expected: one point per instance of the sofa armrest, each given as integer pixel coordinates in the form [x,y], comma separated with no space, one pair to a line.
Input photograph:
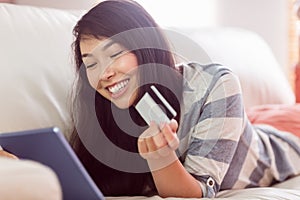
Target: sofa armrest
[27,180]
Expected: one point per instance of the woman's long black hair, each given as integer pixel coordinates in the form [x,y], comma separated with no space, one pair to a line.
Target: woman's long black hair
[105,20]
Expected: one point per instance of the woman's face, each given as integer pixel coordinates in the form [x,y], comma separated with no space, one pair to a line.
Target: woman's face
[111,70]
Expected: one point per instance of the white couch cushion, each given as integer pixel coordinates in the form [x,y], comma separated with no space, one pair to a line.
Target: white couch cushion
[28,180]
[263,81]
[36,71]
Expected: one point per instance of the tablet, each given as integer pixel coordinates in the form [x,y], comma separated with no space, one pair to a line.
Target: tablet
[49,147]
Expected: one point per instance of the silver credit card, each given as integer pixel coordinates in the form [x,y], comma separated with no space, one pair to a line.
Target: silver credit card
[152,111]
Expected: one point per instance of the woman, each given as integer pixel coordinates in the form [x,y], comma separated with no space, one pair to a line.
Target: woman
[209,145]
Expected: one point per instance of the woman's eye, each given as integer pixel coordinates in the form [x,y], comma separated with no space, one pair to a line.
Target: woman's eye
[91,65]
[117,54]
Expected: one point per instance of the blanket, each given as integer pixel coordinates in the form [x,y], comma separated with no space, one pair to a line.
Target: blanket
[280,116]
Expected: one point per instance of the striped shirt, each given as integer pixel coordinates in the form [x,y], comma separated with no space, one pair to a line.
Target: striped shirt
[218,145]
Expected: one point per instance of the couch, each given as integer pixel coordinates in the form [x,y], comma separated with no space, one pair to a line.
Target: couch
[37,72]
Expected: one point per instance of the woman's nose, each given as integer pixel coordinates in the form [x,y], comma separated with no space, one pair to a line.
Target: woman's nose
[108,74]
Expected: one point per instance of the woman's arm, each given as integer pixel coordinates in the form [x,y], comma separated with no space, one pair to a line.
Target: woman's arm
[170,177]
[216,126]
[175,181]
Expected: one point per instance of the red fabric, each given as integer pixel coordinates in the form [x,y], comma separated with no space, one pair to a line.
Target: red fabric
[282,117]
[297,83]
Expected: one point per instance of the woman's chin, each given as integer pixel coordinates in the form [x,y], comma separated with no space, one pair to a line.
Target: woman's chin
[122,104]
[125,101]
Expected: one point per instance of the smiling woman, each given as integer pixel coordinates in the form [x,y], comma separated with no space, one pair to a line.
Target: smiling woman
[111,70]
[209,146]
[107,61]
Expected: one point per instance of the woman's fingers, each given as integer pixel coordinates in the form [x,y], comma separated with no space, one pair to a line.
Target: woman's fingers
[173,125]
[8,155]
[142,147]
[174,144]
[169,132]
[155,142]
[146,145]
[159,140]
[150,144]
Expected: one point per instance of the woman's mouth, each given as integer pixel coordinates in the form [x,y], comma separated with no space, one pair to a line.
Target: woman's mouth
[118,89]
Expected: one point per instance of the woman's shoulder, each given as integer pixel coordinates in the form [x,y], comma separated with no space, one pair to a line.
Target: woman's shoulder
[211,68]
[196,70]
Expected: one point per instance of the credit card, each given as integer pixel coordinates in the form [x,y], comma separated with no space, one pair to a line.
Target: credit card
[153,107]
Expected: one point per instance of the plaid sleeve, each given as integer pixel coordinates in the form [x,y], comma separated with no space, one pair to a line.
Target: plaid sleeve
[215,134]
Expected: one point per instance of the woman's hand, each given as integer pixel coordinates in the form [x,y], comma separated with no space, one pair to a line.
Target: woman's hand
[157,144]
[8,155]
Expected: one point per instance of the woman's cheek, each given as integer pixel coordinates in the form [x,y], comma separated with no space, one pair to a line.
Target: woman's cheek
[93,78]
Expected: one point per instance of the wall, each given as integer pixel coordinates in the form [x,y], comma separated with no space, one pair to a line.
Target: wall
[268,18]
[62,4]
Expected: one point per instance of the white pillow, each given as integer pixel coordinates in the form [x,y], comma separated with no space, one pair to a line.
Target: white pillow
[263,81]
[28,180]
[36,67]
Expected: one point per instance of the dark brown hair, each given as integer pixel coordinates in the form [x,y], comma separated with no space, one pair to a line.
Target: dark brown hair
[105,20]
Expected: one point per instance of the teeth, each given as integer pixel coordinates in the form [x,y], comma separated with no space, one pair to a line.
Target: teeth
[116,88]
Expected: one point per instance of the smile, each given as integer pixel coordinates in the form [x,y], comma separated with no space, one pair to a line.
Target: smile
[117,88]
